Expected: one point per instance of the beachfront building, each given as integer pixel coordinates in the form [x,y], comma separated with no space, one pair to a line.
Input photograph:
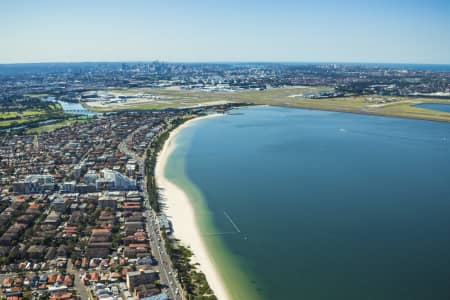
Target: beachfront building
[141,277]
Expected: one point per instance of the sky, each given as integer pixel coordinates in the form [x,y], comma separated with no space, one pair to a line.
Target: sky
[381,31]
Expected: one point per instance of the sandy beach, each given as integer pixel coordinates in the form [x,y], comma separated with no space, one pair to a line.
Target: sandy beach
[181,212]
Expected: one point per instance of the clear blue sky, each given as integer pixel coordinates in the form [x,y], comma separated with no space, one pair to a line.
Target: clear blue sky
[403,31]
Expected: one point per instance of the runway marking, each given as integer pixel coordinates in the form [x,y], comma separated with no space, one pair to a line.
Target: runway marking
[231,221]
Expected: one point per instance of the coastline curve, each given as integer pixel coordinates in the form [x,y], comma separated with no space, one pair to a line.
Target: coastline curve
[181,212]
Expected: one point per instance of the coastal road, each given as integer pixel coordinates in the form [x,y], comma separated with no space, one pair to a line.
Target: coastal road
[166,270]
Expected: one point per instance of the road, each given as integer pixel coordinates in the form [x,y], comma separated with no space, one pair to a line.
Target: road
[166,270]
[78,285]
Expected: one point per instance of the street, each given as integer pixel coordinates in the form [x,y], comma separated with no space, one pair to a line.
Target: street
[166,271]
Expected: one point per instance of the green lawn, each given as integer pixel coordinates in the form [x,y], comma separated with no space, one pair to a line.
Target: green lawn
[20,117]
[53,126]
[8,114]
[36,95]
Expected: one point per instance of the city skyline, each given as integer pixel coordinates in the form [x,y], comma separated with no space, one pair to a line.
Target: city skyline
[254,31]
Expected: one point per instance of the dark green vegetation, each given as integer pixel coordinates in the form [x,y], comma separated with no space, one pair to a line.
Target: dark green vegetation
[193,281]
[27,112]
[150,163]
[152,155]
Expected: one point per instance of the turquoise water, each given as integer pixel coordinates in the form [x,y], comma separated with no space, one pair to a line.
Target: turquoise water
[328,205]
[435,106]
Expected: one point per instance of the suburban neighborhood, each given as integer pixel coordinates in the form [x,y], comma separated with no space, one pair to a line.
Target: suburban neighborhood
[75,219]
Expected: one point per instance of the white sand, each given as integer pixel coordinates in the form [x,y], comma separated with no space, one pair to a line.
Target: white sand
[181,212]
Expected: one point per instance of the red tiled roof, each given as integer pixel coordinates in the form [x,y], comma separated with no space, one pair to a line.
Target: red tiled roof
[94,276]
[19,198]
[51,278]
[60,278]
[34,205]
[8,281]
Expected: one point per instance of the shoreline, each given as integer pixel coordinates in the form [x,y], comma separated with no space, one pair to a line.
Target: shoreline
[367,113]
[180,210]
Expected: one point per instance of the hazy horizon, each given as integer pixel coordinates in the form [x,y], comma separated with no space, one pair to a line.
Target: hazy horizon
[322,31]
[227,62]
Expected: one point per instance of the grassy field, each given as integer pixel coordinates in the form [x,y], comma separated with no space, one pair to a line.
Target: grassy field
[403,107]
[36,95]
[32,115]
[54,126]
[25,113]
[291,97]
[181,98]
